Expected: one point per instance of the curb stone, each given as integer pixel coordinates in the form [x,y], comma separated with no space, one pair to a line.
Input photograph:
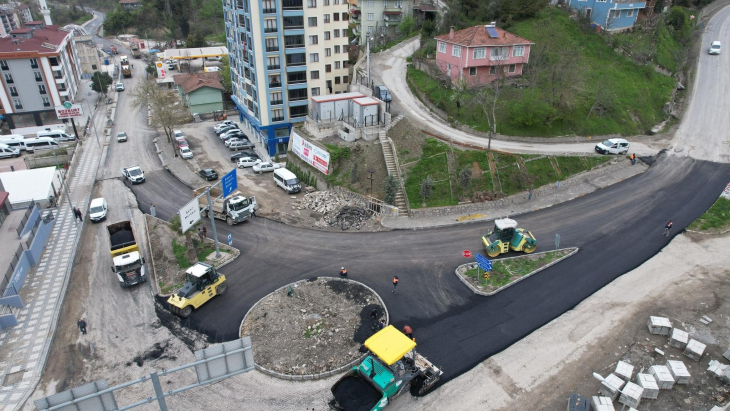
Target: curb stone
[473,265]
[321,375]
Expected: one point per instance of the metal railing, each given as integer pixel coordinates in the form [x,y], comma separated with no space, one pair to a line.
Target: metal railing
[400,175]
[25,218]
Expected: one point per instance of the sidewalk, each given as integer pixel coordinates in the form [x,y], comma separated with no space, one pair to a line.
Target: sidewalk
[24,348]
[543,197]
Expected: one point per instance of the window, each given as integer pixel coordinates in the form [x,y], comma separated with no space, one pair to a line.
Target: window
[326,35]
[272,44]
[337,80]
[313,39]
[615,14]
[328,68]
[276,98]
[296,78]
[274,81]
[371,16]
[472,71]
[327,52]
[93,66]
[18,104]
[371,3]
[8,78]
[277,114]
[312,21]
[13,91]
[630,13]
[326,3]
[518,51]
[442,47]
[329,86]
[298,94]
[311,3]
[46,101]
[337,65]
[298,59]
[345,64]
[269,26]
[336,17]
[298,111]
[269,6]
[480,53]
[370,29]
[42,89]
[492,70]
[512,68]
[4,65]
[33,63]
[344,79]
[315,91]
[293,22]
[326,18]
[313,57]
[337,33]
[337,49]
[272,63]
[314,75]
[294,41]
[27,120]
[336,2]
[456,51]
[497,53]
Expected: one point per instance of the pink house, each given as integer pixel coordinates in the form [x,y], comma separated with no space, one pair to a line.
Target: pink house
[479,53]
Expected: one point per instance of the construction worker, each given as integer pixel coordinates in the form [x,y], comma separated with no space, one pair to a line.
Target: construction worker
[408,331]
[343,273]
[633,158]
[667,228]
[395,284]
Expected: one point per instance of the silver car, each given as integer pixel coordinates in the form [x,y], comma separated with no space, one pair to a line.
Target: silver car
[715,48]
[240,145]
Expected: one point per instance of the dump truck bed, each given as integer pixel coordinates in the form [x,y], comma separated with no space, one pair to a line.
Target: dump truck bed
[352,393]
[121,237]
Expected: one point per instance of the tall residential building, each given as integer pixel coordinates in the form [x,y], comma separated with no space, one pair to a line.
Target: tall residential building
[39,69]
[371,18]
[10,20]
[88,54]
[281,52]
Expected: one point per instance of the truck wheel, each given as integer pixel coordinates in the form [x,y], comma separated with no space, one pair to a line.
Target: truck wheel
[185,312]
[493,252]
[229,220]
[530,248]
[204,213]
[221,289]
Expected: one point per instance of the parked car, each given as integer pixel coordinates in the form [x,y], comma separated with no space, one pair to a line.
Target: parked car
[186,153]
[7,151]
[226,128]
[382,93]
[231,141]
[182,143]
[613,146]
[715,47]
[178,134]
[119,86]
[212,69]
[241,145]
[97,209]
[135,175]
[233,133]
[208,174]
[264,166]
[247,161]
[121,137]
[223,124]
[241,154]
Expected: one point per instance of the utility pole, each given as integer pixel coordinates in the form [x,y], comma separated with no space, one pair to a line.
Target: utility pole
[212,223]
[93,124]
[367,58]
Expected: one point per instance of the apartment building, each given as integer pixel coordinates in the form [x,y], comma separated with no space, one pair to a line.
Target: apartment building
[371,18]
[39,69]
[281,53]
[88,54]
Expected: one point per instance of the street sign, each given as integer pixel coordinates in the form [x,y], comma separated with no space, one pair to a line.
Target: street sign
[229,182]
[230,239]
[484,263]
[466,253]
[68,110]
[189,214]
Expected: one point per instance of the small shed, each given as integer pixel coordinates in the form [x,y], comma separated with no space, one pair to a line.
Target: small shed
[331,107]
[38,184]
[202,92]
[365,110]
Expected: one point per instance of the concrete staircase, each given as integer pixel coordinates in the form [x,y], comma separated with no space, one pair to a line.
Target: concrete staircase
[391,162]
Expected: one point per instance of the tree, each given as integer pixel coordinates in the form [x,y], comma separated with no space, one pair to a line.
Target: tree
[226,73]
[487,98]
[100,82]
[406,25]
[464,179]
[426,188]
[390,190]
[196,38]
[354,173]
[459,91]
[428,29]
[151,69]
[167,111]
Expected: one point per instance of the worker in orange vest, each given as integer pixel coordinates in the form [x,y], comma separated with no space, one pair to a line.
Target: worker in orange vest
[408,331]
[343,273]
[633,158]
[395,284]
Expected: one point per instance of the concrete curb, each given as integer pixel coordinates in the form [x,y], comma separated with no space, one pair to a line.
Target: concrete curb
[706,233]
[326,374]
[473,265]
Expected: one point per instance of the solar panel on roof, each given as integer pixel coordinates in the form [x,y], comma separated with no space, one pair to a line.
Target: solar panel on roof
[492,32]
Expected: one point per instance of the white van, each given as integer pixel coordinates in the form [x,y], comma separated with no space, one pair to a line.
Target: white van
[613,146]
[287,180]
[40,143]
[98,209]
[13,141]
[57,134]
[7,151]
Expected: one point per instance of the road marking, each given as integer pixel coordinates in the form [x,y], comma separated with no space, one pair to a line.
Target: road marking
[470,217]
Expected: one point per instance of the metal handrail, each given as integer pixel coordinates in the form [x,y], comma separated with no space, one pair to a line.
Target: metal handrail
[400,175]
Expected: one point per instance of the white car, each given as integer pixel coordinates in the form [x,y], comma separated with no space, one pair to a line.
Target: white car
[212,69]
[715,47]
[186,153]
[121,137]
[119,86]
[135,175]
[231,141]
[613,146]
[247,161]
[97,209]
[222,124]
[178,134]
[263,167]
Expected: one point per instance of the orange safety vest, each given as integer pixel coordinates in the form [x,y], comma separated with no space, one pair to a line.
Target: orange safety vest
[395,281]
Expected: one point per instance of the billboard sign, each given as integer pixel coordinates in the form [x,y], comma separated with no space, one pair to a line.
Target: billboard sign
[160,70]
[311,154]
[189,214]
[68,110]
[229,183]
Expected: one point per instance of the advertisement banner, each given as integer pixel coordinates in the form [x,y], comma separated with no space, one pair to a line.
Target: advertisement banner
[313,155]
[68,110]
[160,70]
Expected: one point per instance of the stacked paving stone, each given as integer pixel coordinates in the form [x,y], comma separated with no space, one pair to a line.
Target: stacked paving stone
[679,372]
[648,383]
[631,395]
[611,386]
[678,338]
[659,325]
[719,370]
[662,376]
[624,371]
[602,404]
[578,403]
[694,349]
[727,354]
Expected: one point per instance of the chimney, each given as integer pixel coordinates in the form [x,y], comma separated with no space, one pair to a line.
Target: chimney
[451,33]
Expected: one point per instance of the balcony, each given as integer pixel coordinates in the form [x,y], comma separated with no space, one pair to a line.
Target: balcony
[276,102]
[277,119]
[392,15]
[271,30]
[294,46]
[272,49]
[292,4]
[274,85]
[269,11]
[274,67]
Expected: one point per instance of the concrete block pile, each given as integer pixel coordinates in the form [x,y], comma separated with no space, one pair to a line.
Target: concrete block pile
[336,210]
[648,383]
[679,372]
[659,325]
[662,376]
[624,370]
[694,349]
[631,395]
[578,403]
[719,370]
[679,338]
[602,404]
[611,386]
[726,354]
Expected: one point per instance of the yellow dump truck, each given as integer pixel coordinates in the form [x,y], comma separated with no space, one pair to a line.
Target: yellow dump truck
[129,266]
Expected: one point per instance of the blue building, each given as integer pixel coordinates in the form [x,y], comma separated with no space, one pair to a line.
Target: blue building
[282,52]
[609,15]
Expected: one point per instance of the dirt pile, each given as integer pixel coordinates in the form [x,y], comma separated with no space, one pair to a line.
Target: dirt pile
[311,327]
[336,210]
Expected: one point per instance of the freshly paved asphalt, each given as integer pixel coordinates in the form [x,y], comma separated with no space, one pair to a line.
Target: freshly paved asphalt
[616,229]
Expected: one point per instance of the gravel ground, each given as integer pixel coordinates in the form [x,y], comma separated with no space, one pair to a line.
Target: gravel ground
[318,328]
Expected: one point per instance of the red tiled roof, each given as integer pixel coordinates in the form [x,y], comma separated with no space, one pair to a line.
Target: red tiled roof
[478,36]
[21,30]
[194,81]
[50,34]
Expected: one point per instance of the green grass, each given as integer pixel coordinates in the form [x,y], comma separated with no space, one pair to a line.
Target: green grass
[169,288]
[637,92]
[717,217]
[179,251]
[506,271]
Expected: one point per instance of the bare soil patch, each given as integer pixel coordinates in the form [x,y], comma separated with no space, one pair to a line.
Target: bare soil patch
[318,328]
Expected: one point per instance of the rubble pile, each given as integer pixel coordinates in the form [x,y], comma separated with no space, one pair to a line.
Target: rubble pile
[336,210]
